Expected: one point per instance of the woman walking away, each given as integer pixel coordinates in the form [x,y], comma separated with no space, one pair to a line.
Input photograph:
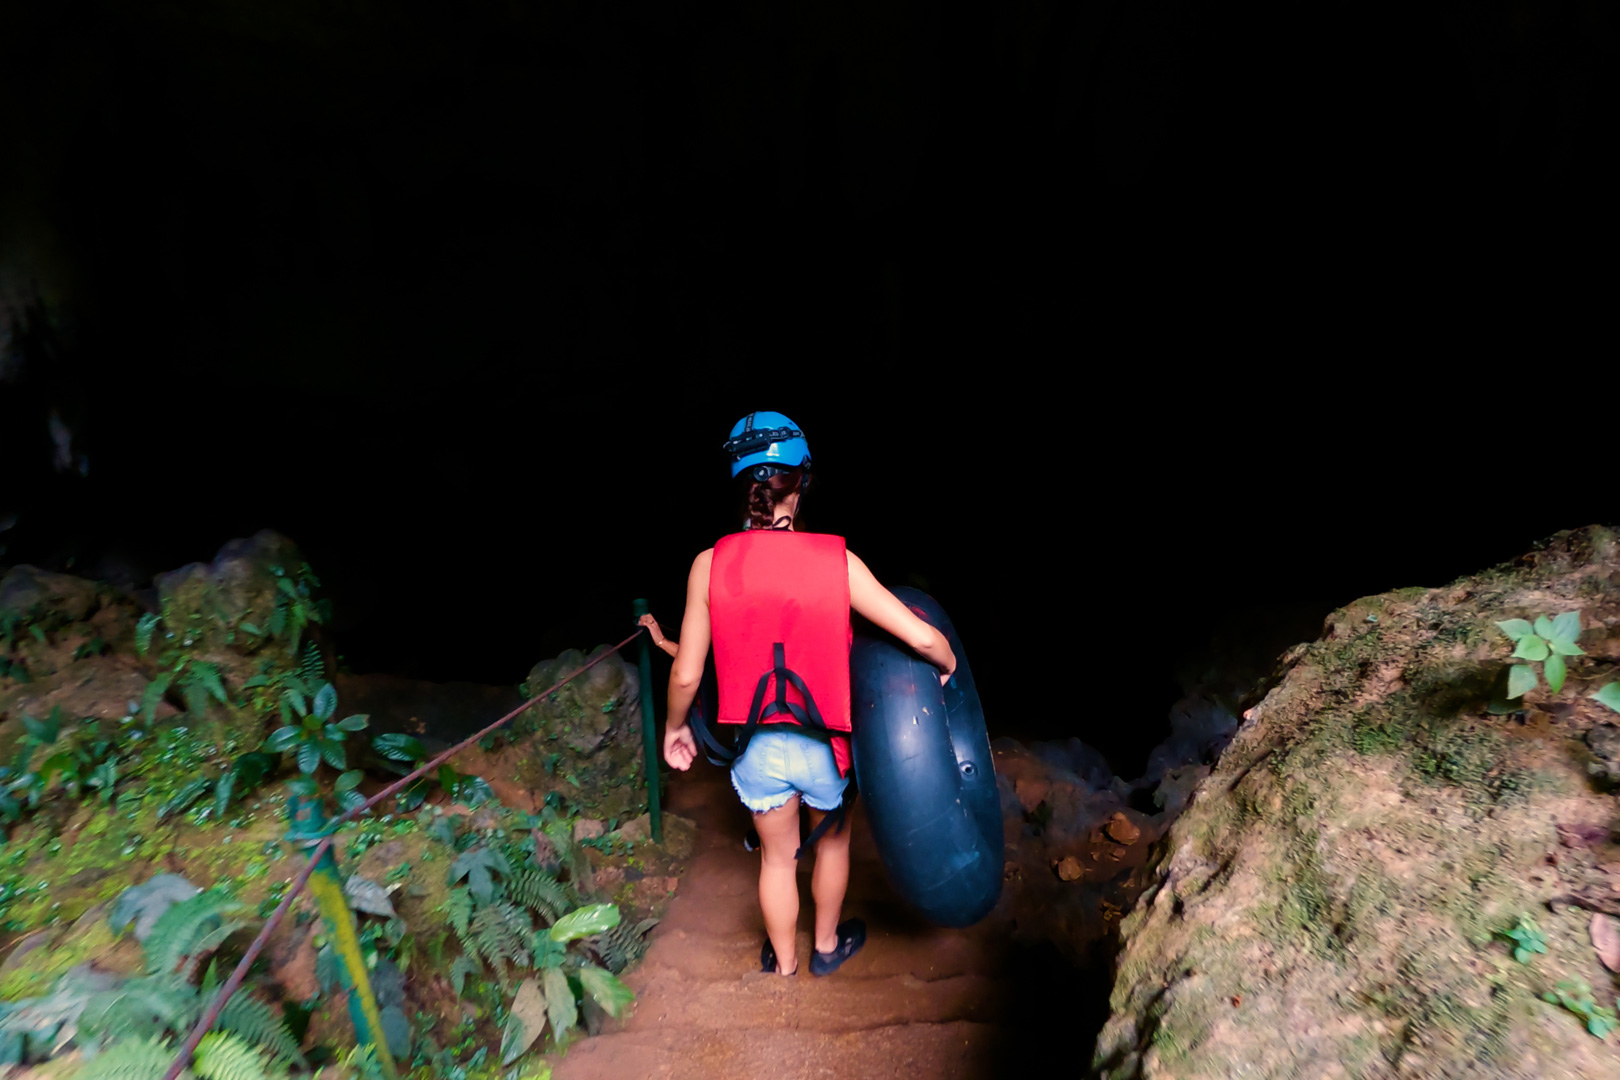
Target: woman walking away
[775,604]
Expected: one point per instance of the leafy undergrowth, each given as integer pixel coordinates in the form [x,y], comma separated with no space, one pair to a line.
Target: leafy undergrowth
[1391,869]
[459,908]
[143,755]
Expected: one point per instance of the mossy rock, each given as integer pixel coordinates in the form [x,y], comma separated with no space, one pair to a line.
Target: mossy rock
[30,594]
[585,740]
[38,960]
[206,603]
[56,620]
[1331,902]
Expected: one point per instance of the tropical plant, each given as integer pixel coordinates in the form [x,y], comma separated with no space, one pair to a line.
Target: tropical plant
[313,737]
[1546,642]
[125,1026]
[20,786]
[89,762]
[196,681]
[1526,937]
[296,607]
[518,916]
[1576,996]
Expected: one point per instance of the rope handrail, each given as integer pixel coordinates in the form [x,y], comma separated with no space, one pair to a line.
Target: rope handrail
[234,983]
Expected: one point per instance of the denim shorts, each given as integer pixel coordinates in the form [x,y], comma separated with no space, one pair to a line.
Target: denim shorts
[779,764]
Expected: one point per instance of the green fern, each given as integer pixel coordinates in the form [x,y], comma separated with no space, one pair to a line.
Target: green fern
[464,965]
[222,1056]
[140,1008]
[189,931]
[311,667]
[257,1023]
[132,1059]
[624,945]
[458,906]
[542,893]
[500,934]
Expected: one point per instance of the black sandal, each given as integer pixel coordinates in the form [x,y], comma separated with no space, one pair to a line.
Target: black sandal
[851,936]
[767,961]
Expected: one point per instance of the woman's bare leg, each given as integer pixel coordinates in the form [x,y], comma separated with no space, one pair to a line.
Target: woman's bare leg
[829,880]
[779,882]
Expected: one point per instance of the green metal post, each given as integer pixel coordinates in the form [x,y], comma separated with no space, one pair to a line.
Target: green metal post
[649,730]
[308,823]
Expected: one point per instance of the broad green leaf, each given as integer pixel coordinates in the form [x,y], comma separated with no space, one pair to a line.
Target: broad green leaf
[143,632]
[1544,626]
[1609,695]
[43,732]
[585,921]
[547,953]
[1554,670]
[309,756]
[350,800]
[1521,680]
[399,747]
[560,1007]
[39,633]
[349,780]
[300,706]
[335,733]
[1531,647]
[448,777]
[1566,648]
[183,798]
[473,791]
[282,738]
[605,989]
[326,701]
[54,764]
[357,722]
[286,585]
[222,792]
[253,629]
[475,865]
[1566,627]
[334,754]
[255,682]
[1515,628]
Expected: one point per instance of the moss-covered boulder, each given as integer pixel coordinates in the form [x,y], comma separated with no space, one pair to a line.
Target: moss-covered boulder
[585,740]
[49,621]
[1334,899]
[228,605]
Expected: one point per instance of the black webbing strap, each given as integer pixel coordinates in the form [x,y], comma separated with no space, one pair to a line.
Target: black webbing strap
[810,724]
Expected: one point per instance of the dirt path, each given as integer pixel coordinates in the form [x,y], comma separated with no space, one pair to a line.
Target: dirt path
[918,1002]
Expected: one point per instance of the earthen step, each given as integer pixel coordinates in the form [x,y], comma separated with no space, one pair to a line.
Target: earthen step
[672,997]
[955,1050]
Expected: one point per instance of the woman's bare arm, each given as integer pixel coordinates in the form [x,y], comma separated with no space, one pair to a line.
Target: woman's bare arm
[657,633]
[870,599]
[680,749]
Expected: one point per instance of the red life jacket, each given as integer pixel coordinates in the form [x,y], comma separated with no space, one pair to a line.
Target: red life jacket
[779,601]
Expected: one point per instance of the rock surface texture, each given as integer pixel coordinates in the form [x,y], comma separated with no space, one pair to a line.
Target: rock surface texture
[1334,898]
[585,740]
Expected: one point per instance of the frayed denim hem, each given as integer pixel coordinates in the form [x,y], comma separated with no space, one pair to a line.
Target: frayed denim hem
[811,803]
[760,806]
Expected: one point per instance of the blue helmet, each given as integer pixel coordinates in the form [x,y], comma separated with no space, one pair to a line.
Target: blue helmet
[768,440]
